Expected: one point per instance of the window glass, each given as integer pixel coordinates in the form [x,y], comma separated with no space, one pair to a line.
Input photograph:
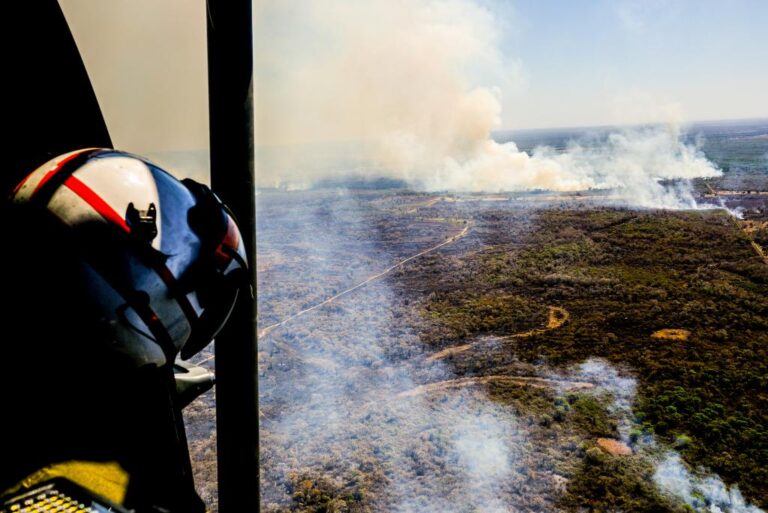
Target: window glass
[148,66]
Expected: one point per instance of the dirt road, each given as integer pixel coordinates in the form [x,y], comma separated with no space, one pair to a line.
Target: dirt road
[527,381]
[557,317]
[449,240]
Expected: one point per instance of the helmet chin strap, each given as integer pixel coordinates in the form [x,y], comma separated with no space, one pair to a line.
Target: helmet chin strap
[237,257]
[138,301]
[120,311]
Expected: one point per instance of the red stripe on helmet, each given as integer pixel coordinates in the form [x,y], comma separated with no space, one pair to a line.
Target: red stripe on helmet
[108,213]
[50,174]
[21,183]
[95,201]
[231,241]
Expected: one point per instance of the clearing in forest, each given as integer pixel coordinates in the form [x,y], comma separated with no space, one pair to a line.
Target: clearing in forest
[614,447]
[671,334]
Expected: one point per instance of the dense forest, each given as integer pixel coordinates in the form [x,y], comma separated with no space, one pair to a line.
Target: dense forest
[624,276]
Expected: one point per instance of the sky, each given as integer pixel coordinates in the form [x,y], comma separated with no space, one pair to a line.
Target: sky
[566,63]
[605,62]
[147,64]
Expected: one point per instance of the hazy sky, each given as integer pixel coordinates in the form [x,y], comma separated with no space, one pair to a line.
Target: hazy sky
[605,61]
[568,63]
[147,63]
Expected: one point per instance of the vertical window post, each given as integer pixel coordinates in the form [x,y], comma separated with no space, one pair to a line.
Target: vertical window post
[230,90]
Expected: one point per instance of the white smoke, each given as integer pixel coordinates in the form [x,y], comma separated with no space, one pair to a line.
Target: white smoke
[620,388]
[482,450]
[633,162]
[706,494]
[479,441]
[411,89]
[329,384]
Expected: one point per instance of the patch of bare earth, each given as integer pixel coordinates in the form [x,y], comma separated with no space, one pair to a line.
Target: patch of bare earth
[449,351]
[614,447]
[671,334]
[557,317]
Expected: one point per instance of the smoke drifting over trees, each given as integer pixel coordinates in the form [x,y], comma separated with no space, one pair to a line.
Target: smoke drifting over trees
[356,412]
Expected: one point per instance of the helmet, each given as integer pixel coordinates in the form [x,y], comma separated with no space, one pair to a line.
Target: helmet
[160,261]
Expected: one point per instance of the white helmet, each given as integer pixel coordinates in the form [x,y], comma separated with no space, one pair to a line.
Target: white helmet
[162,260]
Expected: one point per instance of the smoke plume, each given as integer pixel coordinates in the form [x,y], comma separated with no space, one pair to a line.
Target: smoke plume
[707,493]
[607,380]
[704,492]
[331,409]
[336,421]
[411,90]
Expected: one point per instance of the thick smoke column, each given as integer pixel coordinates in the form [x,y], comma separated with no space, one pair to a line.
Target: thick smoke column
[411,89]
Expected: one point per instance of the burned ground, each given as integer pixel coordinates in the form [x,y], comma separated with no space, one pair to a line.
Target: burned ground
[339,435]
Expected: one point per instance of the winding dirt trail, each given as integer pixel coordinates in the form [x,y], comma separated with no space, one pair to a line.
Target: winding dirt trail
[415,208]
[526,381]
[746,230]
[449,240]
[760,252]
[557,317]
[671,334]
[449,351]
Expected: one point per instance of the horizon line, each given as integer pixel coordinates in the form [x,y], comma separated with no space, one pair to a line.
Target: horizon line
[763,118]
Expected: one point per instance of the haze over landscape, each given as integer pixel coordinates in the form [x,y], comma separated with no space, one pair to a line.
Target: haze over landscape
[418,96]
[463,306]
[455,316]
